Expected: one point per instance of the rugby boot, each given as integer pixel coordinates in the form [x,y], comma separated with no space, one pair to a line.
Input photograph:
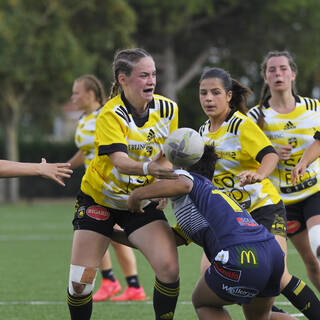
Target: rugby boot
[107,289]
[130,294]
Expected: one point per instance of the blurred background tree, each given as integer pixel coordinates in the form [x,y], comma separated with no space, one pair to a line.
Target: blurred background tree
[46,44]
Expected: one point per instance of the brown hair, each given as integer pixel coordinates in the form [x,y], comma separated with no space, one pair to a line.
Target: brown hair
[240,93]
[124,61]
[92,83]
[265,91]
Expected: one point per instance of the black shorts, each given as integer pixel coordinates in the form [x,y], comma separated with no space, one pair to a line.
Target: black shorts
[273,217]
[92,216]
[298,213]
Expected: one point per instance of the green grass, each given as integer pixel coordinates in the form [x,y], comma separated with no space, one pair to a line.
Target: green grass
[35,246]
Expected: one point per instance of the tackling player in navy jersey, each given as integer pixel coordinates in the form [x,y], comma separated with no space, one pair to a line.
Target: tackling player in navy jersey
[246,261]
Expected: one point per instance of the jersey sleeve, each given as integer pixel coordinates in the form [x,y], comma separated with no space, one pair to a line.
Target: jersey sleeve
[110,133]
[254,141]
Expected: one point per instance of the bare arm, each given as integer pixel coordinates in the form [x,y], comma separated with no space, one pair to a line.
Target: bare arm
[268,164]
[77,160]
[159,167]
[310,154]
[54,171]
[159,189]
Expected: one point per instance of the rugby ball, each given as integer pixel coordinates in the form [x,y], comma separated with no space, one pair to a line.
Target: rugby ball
[183,147]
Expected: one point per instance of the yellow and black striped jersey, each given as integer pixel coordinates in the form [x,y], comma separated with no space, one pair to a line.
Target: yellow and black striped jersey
[119,129]
[296,128]
[84,135]
[240,145]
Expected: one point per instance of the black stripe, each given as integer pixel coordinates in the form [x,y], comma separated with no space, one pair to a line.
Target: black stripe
[254,113]
[306,102]
[125,112]
[161,109]
[237,126]
[167,108]
[114,147]
[171,110]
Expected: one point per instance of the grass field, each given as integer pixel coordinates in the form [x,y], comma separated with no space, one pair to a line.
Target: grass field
[35,245]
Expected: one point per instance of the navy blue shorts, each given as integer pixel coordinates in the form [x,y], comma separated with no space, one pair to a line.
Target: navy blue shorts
[92,216]
[253,270]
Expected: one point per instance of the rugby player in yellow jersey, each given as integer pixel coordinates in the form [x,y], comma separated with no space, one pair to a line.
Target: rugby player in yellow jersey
[130,131]
[88,96]
[290,121]
[246,159]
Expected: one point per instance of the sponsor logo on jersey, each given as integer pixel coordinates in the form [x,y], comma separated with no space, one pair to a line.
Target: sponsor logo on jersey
[227,273]
[80,211]
[246,222]
[151,135]
[279,226]
[289,125]
[98,212]
[293,226]
[139,146]
[247,257]
[293,142]
[243,292]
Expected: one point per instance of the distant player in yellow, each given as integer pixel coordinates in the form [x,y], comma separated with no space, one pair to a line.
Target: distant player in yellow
[130,131]
[246,158]
[88,96]
[290,121]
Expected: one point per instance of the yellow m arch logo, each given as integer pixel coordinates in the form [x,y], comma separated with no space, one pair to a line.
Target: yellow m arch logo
[245,257]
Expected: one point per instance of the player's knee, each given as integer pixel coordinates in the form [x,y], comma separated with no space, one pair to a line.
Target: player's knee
[81,280]
[314,238]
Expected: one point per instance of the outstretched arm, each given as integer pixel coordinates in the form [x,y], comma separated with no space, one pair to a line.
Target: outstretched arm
[268,164]
[53,171]
[159,189]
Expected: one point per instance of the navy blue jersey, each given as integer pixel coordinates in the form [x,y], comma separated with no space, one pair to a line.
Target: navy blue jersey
[210,218]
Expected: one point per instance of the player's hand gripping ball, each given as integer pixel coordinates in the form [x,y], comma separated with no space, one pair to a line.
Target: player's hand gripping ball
[183,147]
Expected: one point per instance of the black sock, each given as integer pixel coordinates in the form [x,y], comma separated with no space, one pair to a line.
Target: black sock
[133,281]
[303,298]
[80,307]
[108,274]
[165,296]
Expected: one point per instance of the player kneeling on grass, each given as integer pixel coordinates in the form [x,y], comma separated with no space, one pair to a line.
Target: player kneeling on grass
[246,261]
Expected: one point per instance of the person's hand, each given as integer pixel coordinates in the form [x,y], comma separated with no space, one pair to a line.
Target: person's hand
[55,171]
[298,171]
[249,177]
[159,171]
[162,203]
[284,152]
[134,205]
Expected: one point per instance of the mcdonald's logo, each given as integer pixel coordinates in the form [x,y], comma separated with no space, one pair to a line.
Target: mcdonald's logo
[248,257]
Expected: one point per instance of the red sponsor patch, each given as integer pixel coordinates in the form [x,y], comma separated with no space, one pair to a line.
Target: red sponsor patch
[98,213]
[293,226]
[227,273]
